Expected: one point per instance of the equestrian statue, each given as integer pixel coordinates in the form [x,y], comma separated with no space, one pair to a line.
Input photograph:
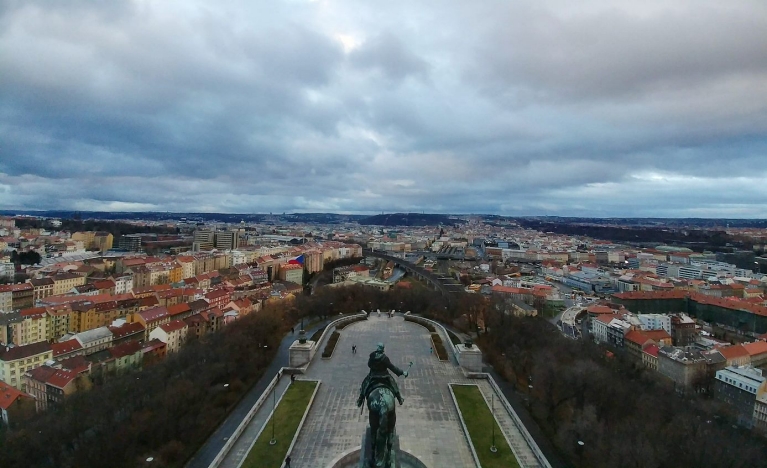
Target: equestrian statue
[380,389]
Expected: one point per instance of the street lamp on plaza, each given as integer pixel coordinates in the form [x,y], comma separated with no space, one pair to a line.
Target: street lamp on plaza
[493,448]
[273,440]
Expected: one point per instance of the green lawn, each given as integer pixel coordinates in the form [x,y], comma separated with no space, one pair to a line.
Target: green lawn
[479,422]
[289,412]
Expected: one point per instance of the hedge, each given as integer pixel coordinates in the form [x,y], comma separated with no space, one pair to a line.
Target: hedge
[328,351]
[439,347]
[316,335]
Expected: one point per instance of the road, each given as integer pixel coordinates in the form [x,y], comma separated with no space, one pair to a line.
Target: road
[216,441]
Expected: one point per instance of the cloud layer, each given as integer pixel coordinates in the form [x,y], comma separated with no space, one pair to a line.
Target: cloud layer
[520,108]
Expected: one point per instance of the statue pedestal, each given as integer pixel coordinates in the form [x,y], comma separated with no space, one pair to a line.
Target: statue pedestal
[367,449]
[470,359]
[300,353]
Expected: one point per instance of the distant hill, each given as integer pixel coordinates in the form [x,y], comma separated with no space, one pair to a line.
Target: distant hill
[320,218]
[410,219]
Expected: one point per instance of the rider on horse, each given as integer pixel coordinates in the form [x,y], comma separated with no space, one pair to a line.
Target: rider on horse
[379,376]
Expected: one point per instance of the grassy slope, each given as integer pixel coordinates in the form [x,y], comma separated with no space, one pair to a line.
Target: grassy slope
[479,422]
[289,412]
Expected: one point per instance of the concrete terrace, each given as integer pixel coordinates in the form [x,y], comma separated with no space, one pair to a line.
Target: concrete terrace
[428,423]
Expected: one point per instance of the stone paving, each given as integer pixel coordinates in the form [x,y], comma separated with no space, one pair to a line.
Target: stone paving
[427,424]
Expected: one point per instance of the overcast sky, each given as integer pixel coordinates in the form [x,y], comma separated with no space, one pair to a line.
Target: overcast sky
[509,107]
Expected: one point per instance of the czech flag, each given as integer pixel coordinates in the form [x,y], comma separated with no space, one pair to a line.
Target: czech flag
[297,261]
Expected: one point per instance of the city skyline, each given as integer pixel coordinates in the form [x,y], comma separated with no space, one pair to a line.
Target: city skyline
[524,109]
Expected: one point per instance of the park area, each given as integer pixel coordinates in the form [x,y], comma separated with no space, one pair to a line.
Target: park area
[480,423]
[287,417]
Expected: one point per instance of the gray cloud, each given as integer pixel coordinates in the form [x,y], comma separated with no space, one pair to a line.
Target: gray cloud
[523,108]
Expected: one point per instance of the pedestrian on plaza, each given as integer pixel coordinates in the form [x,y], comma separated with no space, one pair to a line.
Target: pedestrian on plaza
[431,350]
[292,330]
[292,377]
[354,349]
[287,462]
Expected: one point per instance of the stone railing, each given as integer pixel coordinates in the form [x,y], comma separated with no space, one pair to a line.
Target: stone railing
[518,422]
[244,423]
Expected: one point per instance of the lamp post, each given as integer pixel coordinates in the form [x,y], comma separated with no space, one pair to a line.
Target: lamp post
[493,448]
[274,414]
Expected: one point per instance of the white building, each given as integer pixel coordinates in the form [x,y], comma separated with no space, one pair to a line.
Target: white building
[7,270]
[95,340]
[173,334]
[123,284]
[655,322]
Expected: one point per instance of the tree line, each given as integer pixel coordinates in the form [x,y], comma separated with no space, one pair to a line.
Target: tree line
[166,411]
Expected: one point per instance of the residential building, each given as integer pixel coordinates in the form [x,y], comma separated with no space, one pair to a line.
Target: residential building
[688,368]
[7,270]
[64,282]
[173,334]
[15,361]
[123,284]
[760,409]
[67,349]
[22,296]
[735,355]
[14,404]
[153,351]
[95,340]
[43,287]
[127,332]
[49,385]
[655,322]
[33,327]
[127,355]
[292,273]
[130,242]
[737,386]
[6,299]
[204,240]
[227,240]
[683,330]
[650,356]
[151,318]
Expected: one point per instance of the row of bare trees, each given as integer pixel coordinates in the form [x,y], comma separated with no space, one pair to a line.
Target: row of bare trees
[623,414]
[165,411]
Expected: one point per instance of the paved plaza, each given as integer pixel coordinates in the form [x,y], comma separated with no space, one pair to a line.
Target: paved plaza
[428,423]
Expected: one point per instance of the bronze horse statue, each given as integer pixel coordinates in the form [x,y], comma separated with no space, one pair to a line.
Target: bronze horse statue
[382,417]
[381,391]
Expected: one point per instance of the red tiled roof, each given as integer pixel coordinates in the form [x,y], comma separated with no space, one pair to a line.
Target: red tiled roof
[77,364]
[16,287]
[757,347]
[599,309]
[733,352]
[154,313]
[651,349]
[126,330]
[65,347]
[8,395]
[61,378]
[33,311]
[635,336]
[173,326]
[125,349]
[215,294]
[149,301]
[152,345]
[20,352]
[657,335]
[179,309]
